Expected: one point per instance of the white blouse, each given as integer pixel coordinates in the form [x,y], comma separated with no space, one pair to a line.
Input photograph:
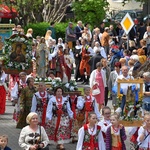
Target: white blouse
[27,135]
[80,105]
[81,134]
[146,142]
[49,113]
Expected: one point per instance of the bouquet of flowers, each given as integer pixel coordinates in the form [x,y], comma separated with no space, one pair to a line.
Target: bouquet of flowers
[47,80]
[70,86]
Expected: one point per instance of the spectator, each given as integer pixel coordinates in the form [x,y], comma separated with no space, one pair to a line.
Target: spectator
[102,27]
[146,98]
[4,142]
[51,27]
[146,37]
[105,40]
[70,36]
[33,136]
[86,35]
[78,30]
[98,78]
[29,33]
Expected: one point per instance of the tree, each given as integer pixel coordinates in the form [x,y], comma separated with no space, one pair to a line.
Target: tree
[91,11]
[40,10]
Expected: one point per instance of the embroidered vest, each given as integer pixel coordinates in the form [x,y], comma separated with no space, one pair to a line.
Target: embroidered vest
[88,106]
[90,140]
[55,108]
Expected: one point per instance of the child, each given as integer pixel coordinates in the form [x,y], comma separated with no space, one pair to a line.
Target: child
[90,135]
[115,135]
[87,103]
[144,134]
[105,122]
[133,132]
[4,142]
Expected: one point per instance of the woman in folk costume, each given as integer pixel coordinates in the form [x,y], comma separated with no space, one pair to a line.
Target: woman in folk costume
[90,135]
[15,93]
[42,58]
[39,103]
[68,65]
[60,63]
[3,90]
[26,102]
[115,135]
[98,80]
[59,114]
[86,104]
[48,37]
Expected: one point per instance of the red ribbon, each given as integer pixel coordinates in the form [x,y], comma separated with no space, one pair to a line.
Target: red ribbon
[59,113]
[73,105]
[44,111]
[92,147]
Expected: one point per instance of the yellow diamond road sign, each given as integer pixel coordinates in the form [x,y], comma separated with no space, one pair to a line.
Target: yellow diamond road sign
[127,23]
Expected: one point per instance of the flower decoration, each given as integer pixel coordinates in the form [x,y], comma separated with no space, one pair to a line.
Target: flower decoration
[133,104]
[9,45]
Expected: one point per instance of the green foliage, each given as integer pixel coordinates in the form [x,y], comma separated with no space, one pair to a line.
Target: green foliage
[92,11]
[39,29]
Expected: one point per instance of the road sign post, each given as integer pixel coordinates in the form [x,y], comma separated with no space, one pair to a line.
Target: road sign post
[127,24]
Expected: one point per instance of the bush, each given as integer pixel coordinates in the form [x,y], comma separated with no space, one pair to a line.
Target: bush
[39,29]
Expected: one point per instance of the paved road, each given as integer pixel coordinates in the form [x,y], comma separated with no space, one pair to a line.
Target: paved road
[7,126]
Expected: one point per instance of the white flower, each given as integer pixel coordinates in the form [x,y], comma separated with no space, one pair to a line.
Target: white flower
[67,85]
[75,83]
[40,79]
[45,79]
[71,88]
[58,79]
[53,82]
[49,78]
[36,79]
[23,67]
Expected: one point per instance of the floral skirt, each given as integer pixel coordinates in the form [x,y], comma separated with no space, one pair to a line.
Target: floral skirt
[63,134]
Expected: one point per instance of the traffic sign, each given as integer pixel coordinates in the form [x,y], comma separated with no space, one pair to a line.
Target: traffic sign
[127,23]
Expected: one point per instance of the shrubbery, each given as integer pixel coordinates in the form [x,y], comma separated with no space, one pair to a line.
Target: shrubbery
[40,29]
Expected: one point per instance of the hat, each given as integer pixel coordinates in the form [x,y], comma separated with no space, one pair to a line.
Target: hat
[118,64]
[60,46]
[70,23]
[106,28]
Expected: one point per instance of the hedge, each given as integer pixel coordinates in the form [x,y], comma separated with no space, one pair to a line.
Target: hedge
[39,29]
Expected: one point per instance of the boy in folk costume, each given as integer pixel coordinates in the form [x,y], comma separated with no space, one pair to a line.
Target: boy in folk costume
[105,122]
[85,55]
[115,135]
[144,134]
[87,103]
[90,135]
[15,93]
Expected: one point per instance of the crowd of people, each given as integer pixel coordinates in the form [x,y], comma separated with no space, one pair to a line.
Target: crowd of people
[98,58]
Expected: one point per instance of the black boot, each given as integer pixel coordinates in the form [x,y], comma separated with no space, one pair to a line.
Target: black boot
[87,80]
[84,80]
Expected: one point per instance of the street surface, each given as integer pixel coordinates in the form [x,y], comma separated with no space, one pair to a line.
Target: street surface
[7,126]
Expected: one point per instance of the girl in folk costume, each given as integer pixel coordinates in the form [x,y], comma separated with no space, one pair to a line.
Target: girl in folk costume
[133,132]
[115,135]
[59,114]
[105,122]
[39,103]
[26,102]
[87,103]
[60,63]
[42,58]
[3,90]
[98,80]
[15,93]
[144,134]
[90,135]
[68,65]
